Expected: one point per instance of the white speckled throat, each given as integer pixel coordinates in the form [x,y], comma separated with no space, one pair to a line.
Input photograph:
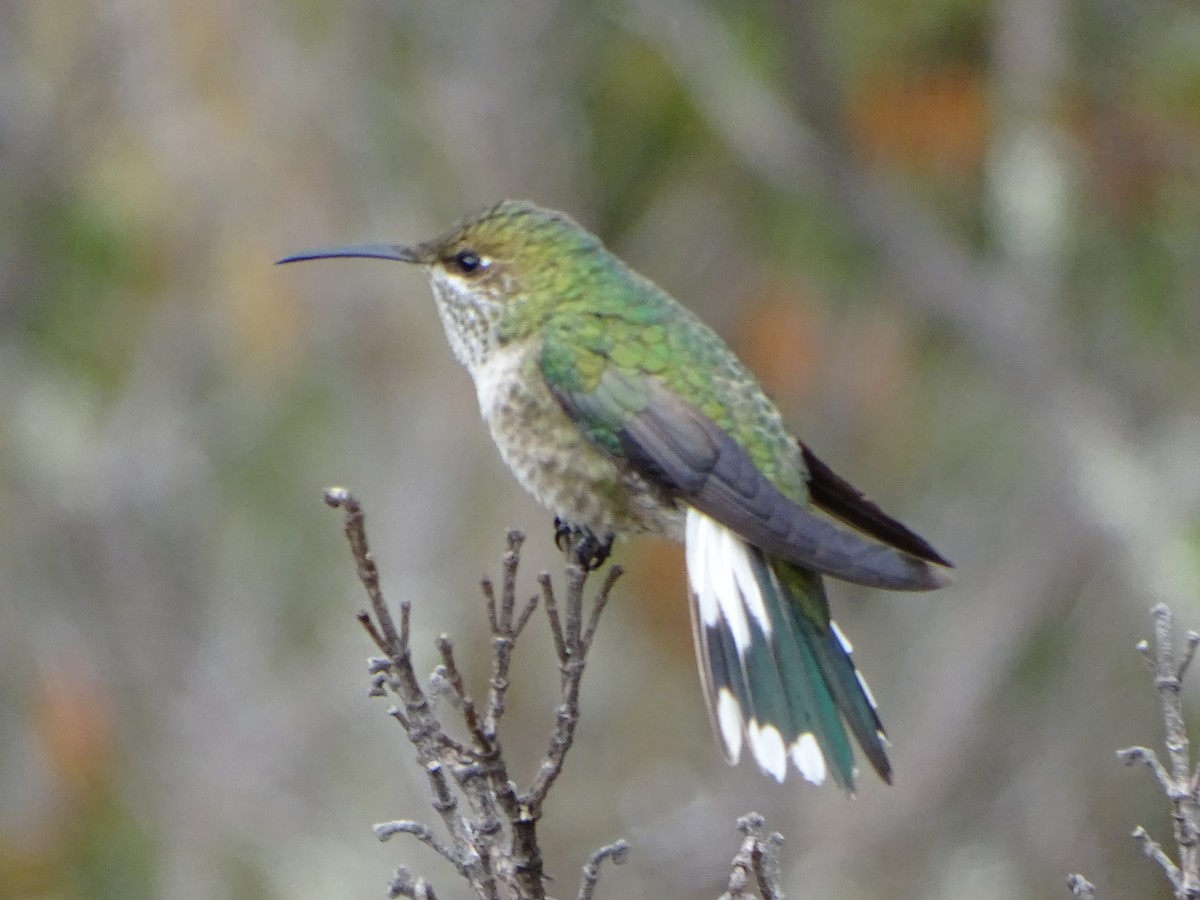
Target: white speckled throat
[471,318]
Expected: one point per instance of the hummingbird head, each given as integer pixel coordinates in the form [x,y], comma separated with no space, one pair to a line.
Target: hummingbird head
[496,274]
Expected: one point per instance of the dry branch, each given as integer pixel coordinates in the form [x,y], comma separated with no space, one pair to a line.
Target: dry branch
[490,824]
[756,865]
[1177,780]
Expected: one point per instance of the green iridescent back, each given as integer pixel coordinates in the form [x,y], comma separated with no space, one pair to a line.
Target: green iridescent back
[596,316]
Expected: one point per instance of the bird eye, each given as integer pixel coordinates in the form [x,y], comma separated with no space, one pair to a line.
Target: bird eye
[468,262]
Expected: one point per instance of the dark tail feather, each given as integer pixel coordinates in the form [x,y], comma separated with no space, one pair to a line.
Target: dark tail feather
[828,647]
[778,678]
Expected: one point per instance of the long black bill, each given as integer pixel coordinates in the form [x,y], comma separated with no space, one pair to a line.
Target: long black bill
[395,252]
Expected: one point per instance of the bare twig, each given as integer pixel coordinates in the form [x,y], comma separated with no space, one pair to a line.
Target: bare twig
[756,865]
[526,614]
[385,830]
[1154,851]
[1080,887]
[512,559]
[1133,755]
[455,680]
[402,884]
[616,853]
[573,644]
[368,574]
[598,606]
[1177,779]
[491,825]
[551,607]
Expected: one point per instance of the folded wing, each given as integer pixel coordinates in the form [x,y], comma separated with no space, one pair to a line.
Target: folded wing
[671,442]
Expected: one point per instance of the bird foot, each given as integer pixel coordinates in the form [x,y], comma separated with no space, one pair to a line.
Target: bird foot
[581,545]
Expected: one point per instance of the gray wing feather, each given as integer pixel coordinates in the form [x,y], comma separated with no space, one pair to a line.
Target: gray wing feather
[675,444]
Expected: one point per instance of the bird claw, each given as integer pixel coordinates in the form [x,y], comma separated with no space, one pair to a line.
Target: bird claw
[563,532]
[581,545]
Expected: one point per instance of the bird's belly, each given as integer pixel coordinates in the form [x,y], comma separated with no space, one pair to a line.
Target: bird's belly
[563,471]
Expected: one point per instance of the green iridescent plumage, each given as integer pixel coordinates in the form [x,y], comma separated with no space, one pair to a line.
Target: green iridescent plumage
[654,337]
[623,413]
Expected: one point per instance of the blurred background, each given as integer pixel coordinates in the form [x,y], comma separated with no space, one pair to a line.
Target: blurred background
[958,240]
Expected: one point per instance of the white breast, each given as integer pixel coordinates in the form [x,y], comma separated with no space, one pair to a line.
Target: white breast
[494,379]
[553,460]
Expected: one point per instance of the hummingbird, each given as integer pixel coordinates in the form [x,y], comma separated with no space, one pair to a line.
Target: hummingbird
[622,413]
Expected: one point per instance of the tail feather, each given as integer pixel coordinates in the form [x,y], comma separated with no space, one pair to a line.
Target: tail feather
[748,703]
[830,651]
[777,673]
[854,698]
[725,688]
[802,676]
